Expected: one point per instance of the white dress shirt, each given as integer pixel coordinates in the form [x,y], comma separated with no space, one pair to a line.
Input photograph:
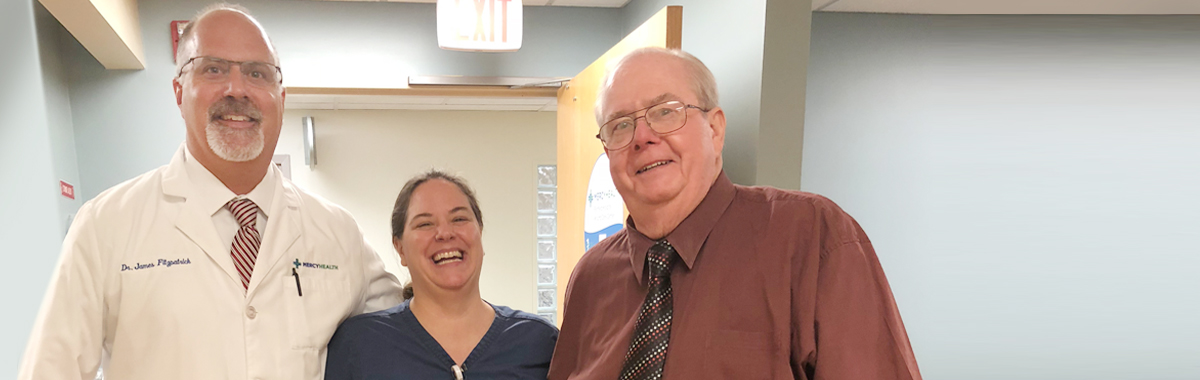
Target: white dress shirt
[214,195]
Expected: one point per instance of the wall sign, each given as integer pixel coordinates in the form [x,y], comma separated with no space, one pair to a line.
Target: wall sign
[604,211]
[284,163]
[67,190]
[479,25]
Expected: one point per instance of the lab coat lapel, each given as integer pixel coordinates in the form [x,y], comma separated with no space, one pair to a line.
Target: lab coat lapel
[194,222]
[283,229]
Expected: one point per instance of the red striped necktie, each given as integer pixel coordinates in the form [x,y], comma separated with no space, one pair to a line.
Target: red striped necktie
[648,347]
[247,240]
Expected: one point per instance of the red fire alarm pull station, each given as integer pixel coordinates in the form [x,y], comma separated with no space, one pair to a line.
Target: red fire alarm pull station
[176,31]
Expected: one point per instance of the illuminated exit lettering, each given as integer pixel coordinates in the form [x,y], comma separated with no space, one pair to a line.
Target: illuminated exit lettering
[479,25]
[485,26]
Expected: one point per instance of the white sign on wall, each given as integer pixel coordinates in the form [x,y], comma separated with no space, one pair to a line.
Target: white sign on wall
[284,163]
[479,25]
[604,211]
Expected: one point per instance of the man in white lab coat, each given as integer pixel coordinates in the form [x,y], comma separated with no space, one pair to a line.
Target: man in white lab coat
[213,266]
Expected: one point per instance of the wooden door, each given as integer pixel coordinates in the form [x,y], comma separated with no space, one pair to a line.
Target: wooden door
[578,147]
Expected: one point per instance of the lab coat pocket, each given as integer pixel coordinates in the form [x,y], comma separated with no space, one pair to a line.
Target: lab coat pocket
[316,304]
[314,363]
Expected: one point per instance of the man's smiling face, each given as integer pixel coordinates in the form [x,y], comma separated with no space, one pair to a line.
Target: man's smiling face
[655,169]
[234,119]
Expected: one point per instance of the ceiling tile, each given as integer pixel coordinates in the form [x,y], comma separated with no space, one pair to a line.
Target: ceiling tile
[570,3]
[373,102]
[497,100]
[1082,7]
[818,5]
[590,3]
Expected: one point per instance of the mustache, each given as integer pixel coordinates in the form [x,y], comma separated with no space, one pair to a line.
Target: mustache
[228,106]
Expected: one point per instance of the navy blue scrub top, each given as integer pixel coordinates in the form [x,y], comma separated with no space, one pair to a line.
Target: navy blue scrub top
[391,344]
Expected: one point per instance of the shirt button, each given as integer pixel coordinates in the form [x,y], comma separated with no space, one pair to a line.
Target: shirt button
[251,313]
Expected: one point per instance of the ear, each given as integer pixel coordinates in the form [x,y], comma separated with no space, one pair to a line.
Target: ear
[178,91]
[283,96]
[399,251]
[716,121]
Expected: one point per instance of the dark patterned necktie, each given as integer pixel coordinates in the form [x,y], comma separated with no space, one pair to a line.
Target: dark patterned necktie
[648,347]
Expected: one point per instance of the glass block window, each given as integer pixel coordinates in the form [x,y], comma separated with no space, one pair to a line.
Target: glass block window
[547,274]
[546,226]
[547,242]
[546,298]
[546,250]
[547,176]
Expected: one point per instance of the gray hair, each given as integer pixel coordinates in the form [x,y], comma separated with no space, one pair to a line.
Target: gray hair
[704,85]
[187,39]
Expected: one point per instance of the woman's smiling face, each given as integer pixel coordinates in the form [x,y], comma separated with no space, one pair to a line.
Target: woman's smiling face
[441,245]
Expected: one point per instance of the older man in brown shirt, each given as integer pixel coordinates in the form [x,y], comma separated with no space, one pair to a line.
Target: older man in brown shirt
[711,280]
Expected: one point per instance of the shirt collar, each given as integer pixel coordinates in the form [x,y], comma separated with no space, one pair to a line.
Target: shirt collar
[689,236]
[212,195]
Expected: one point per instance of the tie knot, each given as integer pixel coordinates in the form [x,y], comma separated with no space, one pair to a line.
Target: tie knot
[244,210]
[659,258]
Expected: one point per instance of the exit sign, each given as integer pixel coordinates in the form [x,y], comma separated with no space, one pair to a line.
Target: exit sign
[479,25]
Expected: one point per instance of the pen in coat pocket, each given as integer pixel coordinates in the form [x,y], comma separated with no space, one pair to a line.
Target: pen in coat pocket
[297,276]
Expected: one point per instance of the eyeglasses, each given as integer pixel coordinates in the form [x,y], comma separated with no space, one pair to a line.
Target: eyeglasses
[662,118]
[213,69]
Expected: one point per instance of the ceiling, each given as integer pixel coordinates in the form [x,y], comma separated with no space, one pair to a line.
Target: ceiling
[411,102]
[565,3]
[533,104]
[1082,7]
[1092,7]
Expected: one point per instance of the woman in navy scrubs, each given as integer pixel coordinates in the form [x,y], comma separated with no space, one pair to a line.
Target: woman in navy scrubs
[444,329]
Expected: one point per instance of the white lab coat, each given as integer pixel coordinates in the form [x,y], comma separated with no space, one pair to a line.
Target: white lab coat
[187,316]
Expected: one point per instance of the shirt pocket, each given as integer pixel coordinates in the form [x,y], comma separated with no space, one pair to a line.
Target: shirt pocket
[734,354]
[316,307]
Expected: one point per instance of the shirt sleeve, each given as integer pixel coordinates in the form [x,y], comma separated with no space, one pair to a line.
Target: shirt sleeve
[533,344]
[67,337]
[339,362]
[568,345]
[858,330]
[381,289]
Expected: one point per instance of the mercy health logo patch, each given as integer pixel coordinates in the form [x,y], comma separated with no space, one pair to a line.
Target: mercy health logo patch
[299,264]
[159,263]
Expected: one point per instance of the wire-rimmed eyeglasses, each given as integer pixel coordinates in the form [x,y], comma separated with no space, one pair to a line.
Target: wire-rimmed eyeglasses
[213,69]
[662,118]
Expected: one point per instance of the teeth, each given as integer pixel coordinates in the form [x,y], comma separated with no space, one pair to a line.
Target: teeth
[235,118]
[447,255]
[652,166]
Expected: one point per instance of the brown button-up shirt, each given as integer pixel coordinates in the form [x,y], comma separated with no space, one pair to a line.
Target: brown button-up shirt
[770,284]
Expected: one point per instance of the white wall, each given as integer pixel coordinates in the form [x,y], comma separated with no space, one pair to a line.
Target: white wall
[58,110]
[365,157]
[1030,184]
[36,151]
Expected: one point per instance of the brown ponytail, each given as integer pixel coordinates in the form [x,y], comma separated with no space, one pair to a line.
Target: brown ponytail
[408,291]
